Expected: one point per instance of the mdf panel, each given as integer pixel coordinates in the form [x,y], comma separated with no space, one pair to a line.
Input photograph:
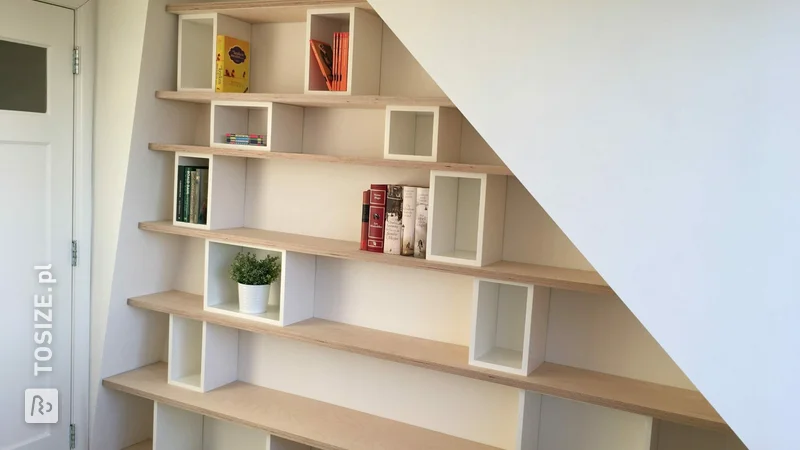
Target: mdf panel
[344,132]
[190,274]
[462,407]
[568,425]
[278,51]
[474,149]
[401,74]
[312,199]
[599,333]
[672,436]
[396,299]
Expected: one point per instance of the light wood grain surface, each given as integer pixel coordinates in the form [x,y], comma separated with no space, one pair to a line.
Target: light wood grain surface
[313,100]
[556,277]
[659,401]
[299,419]
[352,160]
[264,11]
[144,445]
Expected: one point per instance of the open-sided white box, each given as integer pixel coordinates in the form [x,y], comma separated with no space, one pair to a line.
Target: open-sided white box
[202,356]
[364,56]
[466,214]
[291,297]
[422,133]
[197,47]
[226,190]
[509,326]
[281,125]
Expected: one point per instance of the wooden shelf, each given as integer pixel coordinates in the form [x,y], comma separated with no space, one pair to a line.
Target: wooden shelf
[299,419]
[263,11]
[313,100]
[556,277]
[144,445]
[659,401]
[352,160]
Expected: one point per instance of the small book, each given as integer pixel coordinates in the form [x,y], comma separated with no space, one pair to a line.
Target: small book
[393,228]
[364,219]
[181,193]
[409,219]
[377,214]
[324,56]
[421,224]
[345,61]
[337,49]
[202,212]
[232,65]
[187,192]
[194,180]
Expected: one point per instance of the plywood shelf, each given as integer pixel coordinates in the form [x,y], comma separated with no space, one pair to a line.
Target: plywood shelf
[263,11]
[144,445]
[257,153]
[299,419]
[311,100]
[556,277]
[659,401]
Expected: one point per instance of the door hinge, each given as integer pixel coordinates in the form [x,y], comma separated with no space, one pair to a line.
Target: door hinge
[76,60]
[71,436]
[74,253]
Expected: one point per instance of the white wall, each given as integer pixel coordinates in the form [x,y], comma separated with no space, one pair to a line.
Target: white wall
[662,138]
[136,53]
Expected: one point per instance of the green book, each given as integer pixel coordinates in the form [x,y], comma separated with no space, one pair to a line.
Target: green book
[179,202]
[202,210]
[187,192]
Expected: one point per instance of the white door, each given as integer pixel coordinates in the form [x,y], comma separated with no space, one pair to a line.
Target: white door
[36,165]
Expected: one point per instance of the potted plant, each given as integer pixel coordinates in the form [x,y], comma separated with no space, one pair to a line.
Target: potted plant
[254,277]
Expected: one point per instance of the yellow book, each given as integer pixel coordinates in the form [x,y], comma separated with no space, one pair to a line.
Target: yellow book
[233,65]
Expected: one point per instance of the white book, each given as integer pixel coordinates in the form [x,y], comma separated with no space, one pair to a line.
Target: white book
[421,224]
[409,220]
[393,226]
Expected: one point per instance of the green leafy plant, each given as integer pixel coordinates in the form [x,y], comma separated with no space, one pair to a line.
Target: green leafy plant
[248,269]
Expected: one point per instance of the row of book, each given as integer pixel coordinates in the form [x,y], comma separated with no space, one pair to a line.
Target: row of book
[245,139]
[394,220]
[333,61]
[192,204]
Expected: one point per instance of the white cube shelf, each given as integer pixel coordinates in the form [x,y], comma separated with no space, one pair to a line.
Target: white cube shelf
[291,297]
[364,56]
[509,326]
[197,47]
[202,356]
[422,133]
[281,125]
[178,429]
[226,190]
[546,423]
[466,213]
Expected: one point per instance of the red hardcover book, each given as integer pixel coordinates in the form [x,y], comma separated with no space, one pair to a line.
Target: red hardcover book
[345,61]
[377,216]
[324,55]
[364,219]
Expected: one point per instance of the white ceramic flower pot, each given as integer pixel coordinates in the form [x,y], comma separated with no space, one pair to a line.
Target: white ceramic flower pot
[253,299]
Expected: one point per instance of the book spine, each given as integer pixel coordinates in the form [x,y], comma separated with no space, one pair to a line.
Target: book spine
[421,224]
[364,219]
[393,234]
[187,182]
[336,49]
[193,196]
[345,60]
[377,214]
[219,83]
[202,214]
[179,199]
[409,219]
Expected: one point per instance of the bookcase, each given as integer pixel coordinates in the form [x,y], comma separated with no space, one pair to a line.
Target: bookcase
[504,336]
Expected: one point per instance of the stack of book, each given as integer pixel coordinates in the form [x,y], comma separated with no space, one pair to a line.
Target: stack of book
[333,61]
[394,220]
[192,204]
[245,139]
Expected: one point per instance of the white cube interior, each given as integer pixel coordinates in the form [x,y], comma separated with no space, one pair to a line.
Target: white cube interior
[321,28]
[185,351]
[240,120]
[454,230]
[177,429]
[500,324]
[223,292]
[410,133]
[197,53]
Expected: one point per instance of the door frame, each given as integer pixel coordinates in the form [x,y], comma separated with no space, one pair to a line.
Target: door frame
[85,30]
